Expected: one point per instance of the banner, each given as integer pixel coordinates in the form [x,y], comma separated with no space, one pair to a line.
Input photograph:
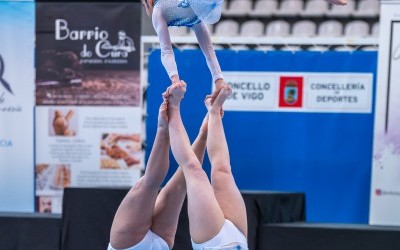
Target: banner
[17,79]
[295,122]
[299,92]
[88,96]
[385,187]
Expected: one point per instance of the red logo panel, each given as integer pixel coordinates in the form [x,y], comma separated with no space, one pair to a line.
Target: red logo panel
[291,92]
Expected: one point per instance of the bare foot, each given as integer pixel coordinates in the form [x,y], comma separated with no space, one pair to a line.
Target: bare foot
[163,115]
[338,2]
[166,95]
[209,101]
[176,92]
[224,93]
[215,93]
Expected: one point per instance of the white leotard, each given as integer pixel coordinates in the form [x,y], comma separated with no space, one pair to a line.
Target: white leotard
[179,13]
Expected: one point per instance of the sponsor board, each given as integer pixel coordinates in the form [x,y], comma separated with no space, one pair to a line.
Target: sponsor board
[300,92]
[89,98]
[17,106]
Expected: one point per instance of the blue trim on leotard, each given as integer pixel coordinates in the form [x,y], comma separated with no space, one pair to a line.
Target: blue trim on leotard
[184,22]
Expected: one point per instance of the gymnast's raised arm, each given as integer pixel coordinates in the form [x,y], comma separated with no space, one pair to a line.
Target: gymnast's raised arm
[204,39]
[167,52]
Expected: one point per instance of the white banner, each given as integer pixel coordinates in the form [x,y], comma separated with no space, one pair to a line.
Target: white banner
[17,82]
[385,186]
[300,92]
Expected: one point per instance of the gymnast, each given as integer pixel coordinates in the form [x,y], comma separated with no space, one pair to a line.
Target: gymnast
[217,212]
[145,219]
[193,14]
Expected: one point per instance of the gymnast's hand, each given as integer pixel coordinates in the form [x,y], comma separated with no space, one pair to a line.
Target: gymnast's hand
[175,79]
[338,2]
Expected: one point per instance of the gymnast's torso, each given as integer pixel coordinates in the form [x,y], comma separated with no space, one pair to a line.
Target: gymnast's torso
[177,12]
[194,14]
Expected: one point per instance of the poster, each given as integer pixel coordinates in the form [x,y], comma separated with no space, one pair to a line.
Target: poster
[88,98]
[16,106]
[385,186]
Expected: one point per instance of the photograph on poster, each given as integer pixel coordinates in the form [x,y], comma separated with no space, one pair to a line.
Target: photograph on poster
[120,151]
[52,176]
[44,204]
[58,69]
[73,86]
[64,122]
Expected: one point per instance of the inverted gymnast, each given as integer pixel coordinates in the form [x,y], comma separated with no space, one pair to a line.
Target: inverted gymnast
[193,14]
[148,220]
[217,212]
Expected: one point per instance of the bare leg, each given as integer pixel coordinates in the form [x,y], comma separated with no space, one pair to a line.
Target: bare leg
[228,195]
[169,201]
[134,216]
[205,216]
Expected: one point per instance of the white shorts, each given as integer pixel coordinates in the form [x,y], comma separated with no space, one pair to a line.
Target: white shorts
[228,238]
[151,241]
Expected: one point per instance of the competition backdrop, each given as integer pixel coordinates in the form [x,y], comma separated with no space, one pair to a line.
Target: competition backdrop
[17,41]
[295,122]
[88,98]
